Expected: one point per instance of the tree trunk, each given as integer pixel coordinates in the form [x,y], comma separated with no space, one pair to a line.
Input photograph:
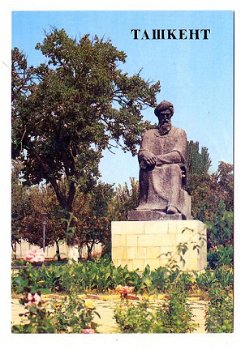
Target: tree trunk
[89,250]
[57,251]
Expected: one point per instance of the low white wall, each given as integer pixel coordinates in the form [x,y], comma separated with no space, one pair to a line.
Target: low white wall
[23,247]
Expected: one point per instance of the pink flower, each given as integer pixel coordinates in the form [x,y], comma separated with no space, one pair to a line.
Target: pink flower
[30,297]
[33,299]
[88,331]
[37,298]
[34,255]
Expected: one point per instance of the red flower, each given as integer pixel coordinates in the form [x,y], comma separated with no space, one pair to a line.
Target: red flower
[124,290]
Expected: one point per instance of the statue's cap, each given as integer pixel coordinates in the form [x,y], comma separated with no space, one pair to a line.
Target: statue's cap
[162,106]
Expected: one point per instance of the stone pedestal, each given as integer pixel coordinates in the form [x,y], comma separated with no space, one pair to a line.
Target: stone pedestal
[151,215]
[159,243]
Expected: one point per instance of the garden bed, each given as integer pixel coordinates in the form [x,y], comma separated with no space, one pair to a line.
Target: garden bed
[105,305]
[159,301]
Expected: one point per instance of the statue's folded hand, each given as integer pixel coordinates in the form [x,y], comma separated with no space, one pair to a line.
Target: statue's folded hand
[150,159]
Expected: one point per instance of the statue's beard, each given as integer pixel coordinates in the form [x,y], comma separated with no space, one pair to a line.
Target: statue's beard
[165,127]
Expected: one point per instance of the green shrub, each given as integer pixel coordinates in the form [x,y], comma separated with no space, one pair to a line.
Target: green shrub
[26,278]
[36,320]
[73,315]
[219,316]
[159,279]
[220,229]
[134,318]
[205,280]
[102,276]
[173,316]
[220,256]
[222,277]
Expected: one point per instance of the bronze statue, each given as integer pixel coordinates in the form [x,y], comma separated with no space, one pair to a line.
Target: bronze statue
[162,158]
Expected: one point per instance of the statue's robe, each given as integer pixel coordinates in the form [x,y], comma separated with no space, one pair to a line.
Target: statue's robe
[162,185]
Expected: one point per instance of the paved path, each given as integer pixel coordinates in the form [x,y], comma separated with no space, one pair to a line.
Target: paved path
[198,310]
[107,324]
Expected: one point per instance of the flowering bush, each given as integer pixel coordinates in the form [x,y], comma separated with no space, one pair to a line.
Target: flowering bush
[37,318]
[72,315]
[124,290]
[75,315]
[35,255]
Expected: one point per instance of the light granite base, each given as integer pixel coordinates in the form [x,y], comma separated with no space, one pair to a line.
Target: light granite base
[159,243]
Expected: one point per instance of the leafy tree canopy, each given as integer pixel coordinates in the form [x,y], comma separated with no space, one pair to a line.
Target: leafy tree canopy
[68,110]
[198,161]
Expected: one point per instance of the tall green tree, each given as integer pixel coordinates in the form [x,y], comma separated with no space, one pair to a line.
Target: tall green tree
[125,198]
[198,177]
[212,195]
[224,177]
[198,160]
[198,164]
[91,211]
[43,200]
[207,189]
[90,214]
[67,111]
[21,203]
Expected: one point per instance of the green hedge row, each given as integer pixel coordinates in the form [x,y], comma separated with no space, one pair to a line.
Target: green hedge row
[103,276]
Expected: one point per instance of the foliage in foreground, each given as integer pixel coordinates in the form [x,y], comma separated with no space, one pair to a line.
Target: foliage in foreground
[219,315]
[103,276]
[220,256]
[71,315]
[172,316]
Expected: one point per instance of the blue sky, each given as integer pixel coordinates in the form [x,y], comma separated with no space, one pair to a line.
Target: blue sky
[195,75]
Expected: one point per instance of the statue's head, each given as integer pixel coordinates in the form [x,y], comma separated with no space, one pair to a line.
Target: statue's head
[164,111]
